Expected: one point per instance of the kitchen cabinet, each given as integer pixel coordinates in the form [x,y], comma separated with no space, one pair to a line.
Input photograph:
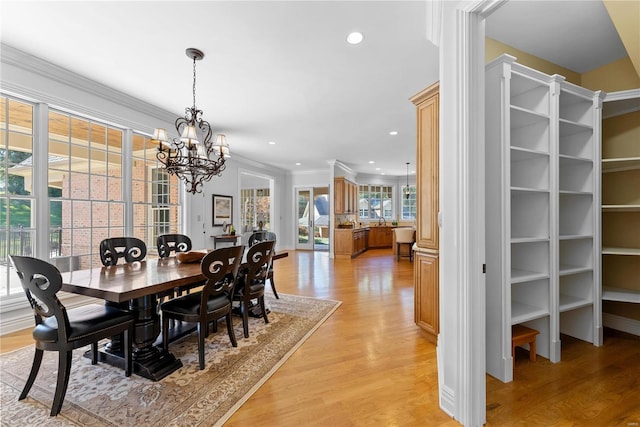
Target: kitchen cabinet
[350,242]
[380,237]
[426,249]
[345,196]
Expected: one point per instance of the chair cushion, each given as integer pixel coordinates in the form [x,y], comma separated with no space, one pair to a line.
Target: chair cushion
[190,304]
[83,320]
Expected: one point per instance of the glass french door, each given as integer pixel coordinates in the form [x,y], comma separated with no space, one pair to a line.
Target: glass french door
[312,208]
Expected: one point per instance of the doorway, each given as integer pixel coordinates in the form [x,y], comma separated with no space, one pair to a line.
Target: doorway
[312,212]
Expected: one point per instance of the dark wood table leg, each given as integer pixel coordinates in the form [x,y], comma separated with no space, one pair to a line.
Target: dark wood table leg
[149,361]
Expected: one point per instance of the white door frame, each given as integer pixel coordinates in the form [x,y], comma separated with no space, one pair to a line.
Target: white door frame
[461,343]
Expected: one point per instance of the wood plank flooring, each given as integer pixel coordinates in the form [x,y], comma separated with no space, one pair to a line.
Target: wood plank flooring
[369,365]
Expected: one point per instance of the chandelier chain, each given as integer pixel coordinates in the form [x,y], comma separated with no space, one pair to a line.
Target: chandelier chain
[194,83]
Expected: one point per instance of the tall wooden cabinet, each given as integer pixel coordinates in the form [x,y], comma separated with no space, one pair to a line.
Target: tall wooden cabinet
[542,138]
[426,255]
[621,209]
[345,196]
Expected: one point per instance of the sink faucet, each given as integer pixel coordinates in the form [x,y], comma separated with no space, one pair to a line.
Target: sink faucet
[382,220]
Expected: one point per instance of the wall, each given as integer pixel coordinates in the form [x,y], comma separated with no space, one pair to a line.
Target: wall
[494,49]
[617,76]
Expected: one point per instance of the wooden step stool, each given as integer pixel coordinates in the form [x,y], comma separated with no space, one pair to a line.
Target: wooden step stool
[520,334]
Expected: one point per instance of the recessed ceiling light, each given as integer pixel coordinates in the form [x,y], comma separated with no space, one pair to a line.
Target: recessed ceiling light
[298,163]
[355,38]
[371,162]
[382,173]
[393,132]
[377,169]
[272,143]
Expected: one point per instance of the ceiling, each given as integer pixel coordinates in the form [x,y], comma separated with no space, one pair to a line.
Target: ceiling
[283,71]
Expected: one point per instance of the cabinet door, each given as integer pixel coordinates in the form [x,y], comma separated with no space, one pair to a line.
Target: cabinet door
[338,195]
[427,168]
[426,294]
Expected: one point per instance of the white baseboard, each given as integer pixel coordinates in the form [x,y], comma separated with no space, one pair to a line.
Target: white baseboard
[620,323]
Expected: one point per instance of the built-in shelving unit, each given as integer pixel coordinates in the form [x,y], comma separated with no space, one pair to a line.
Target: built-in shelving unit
[541,139]
[621,202]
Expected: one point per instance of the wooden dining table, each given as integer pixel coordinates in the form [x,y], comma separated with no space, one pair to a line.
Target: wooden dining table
[135,287]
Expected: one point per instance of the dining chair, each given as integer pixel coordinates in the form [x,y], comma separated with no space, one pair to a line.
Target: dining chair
[405,236]
[213,302]
[62,330]
[251,281]
[261,236]
[130,248]
[175,243]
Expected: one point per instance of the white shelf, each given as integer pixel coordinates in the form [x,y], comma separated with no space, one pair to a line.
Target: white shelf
[620,208]
[577,193]
[528,190]
[567,159]
[532,239]
[571,302]
[566,269]
[523,312]
[620,164]
[570,128]
[521,117]
[519,276]
[608,250]
[575,236]
[620,294]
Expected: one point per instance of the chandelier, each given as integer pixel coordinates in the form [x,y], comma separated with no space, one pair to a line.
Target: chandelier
[193,157]
[407,190]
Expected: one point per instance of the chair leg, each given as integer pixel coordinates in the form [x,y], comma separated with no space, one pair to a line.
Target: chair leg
[245,319]
[64,369]
[273,285]
[398,251]
[94,353]
[35,367]
[264,309]
[201,344]
[232,334]
[128,350]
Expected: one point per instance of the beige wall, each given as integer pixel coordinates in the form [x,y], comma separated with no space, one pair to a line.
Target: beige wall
[494,48]
[619,75]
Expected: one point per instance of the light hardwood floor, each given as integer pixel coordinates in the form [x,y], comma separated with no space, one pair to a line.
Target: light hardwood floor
[368,364]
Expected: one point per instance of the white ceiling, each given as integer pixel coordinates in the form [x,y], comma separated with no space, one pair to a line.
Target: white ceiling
[281,71]
[577,35]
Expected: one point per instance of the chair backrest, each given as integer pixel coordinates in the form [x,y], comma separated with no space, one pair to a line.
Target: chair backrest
[220,267]
[130,248]
[405,234]
[258,262]
[41,282]
[258,236]
[168,243]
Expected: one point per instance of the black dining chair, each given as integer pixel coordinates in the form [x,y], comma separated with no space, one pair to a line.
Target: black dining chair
[130,248]
[251,281]
[261,236]
[62,330]
[213,302]
[168,243]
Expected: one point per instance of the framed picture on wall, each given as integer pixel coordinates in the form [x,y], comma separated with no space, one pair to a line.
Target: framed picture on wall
[222,209]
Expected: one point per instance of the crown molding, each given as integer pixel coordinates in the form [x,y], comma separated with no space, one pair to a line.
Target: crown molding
[22,60]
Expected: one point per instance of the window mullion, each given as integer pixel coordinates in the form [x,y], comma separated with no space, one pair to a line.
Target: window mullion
[40,180]
[127,176]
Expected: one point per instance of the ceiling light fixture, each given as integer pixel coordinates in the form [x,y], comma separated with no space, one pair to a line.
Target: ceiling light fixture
[407,191]
[393,132]
[194,157]
[272,143]
[355,38]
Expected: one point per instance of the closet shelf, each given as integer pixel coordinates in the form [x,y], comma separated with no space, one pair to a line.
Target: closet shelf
[620,294]
[620,208]
[566,269]
[609,250]
[523,312]
[575,236]
[519,276]
[571,302]
[620,164]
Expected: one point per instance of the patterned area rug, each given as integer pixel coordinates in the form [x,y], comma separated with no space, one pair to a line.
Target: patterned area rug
[101,395]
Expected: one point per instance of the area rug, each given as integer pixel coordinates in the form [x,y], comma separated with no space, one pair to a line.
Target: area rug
[100,395]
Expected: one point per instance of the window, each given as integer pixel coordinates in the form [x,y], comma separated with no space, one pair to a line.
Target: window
[85,194]
[85,187]
[375,202]
[408,204]
[154,193]
[17,213]
[255,206]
